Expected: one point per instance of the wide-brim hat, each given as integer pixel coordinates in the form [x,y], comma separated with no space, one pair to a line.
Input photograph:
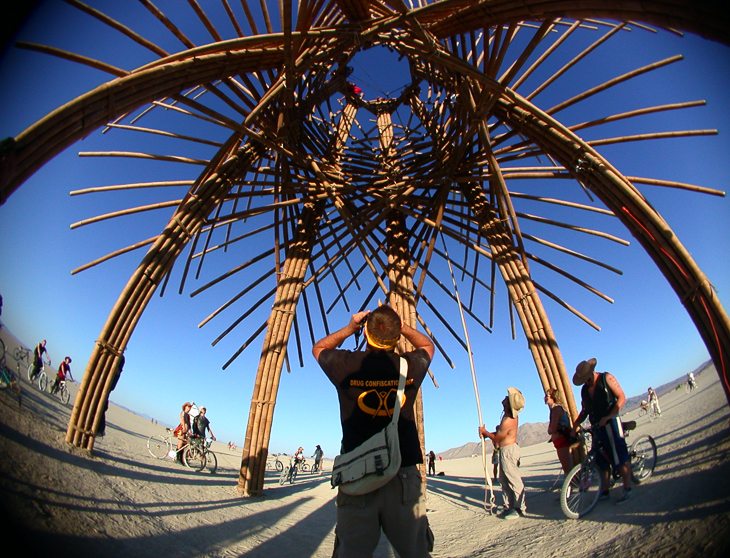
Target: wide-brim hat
[516,400]
[584,371]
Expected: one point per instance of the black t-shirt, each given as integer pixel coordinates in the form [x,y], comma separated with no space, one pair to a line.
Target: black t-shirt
[367,384]
[200,423]
[603,399]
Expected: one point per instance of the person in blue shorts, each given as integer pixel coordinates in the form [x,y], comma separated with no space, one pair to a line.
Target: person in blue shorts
[602,399]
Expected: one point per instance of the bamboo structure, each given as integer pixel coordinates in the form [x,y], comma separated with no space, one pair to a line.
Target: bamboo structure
[327,198]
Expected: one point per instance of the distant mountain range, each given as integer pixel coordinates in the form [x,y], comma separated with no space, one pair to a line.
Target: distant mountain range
[536,432]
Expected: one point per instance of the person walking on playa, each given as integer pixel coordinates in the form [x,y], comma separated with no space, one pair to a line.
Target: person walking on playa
[398,507]
[559,429]
[602,399]
[513,489]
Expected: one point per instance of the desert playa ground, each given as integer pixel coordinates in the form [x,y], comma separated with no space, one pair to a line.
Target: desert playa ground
[59,502]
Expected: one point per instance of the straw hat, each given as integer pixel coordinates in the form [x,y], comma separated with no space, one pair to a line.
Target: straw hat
[584,371]
[516,401]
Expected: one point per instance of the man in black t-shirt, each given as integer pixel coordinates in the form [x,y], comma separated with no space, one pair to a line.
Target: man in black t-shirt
[367,386]
[201,423]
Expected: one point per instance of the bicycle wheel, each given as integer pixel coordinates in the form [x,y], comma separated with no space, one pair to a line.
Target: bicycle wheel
[306,468]
[65,395]
[293,475]
[30,372]
[194,458]
[283,476]
[211,462]
[643,458]
[581,490]
[42,381]
[643,411]
[158,447]
[279,466]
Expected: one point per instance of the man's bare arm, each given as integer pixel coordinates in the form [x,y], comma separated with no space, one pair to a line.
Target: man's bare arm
[333,340]
[418,339]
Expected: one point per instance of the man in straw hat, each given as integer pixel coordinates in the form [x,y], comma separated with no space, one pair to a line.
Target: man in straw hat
[602,399]
[513,489]
[367,385]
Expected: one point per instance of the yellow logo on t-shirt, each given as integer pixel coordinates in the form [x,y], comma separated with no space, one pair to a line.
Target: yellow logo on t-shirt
[375,402]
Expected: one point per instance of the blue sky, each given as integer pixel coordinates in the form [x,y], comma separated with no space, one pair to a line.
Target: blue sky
[646,338]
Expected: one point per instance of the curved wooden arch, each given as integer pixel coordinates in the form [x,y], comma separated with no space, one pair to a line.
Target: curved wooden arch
[173,75]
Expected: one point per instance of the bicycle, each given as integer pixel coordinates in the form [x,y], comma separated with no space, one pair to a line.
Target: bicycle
[647,409]
[21,355]
[690,386]
[9,380]
[61,390]
[290,473]
[273,462]
[211,460]
[34,371]
[161,447]
[583,486]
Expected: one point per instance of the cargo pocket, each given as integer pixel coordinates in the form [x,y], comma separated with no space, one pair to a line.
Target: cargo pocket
[412,484]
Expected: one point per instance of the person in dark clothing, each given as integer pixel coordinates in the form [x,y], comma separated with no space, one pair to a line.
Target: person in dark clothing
[602,399]
[201,424]
[366,383]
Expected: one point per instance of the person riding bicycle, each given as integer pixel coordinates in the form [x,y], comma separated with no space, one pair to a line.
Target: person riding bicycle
[38,359]
[201,424]
[63,370]
[318,455]
[602,399]
[654,402]
[691,380]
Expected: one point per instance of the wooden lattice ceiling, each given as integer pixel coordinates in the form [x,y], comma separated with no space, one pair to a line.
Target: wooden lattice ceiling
[355,189]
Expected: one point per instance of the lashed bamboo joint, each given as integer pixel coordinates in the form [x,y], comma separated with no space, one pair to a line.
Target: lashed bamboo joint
[353,202]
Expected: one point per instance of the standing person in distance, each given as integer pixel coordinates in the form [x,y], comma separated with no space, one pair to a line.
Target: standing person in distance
[559,429]
[183,430]
[602,399]
[318,455]
[431,463]
[398,507]
[513,489]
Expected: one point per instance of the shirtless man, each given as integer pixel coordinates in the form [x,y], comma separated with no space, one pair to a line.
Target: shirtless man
[513,489]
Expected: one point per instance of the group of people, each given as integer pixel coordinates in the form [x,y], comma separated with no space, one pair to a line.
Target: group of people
[191,425]
[366,381]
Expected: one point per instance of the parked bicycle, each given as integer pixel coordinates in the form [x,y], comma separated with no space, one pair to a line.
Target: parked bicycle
[583,486]
[165,447]
[21,356]
[9,380]
[273,462]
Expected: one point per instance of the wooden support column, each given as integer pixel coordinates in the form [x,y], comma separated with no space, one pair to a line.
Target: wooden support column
[540,337]
[96,383]
[260,418]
